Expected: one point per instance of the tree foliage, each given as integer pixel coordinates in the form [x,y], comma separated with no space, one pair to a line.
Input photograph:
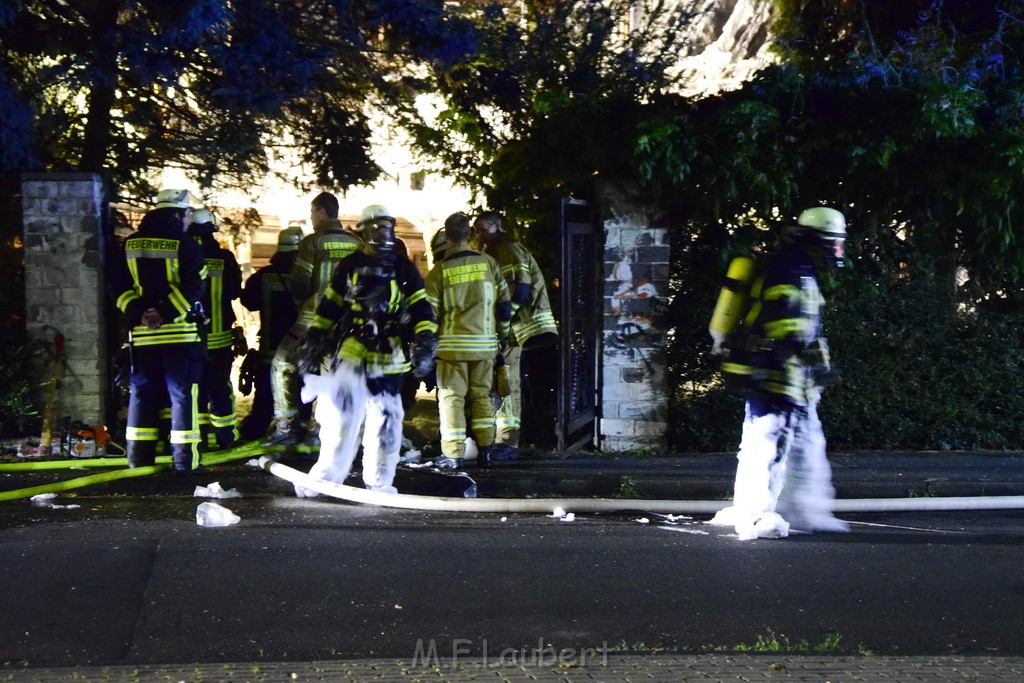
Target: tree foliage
[212,86]
[540,106]
[913,129]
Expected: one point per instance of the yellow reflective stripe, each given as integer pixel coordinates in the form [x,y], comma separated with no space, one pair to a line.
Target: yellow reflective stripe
[333,296]
[320,322]
[425,326]
[221,421]
[304,265]
[467,342]
[418,295]
[737,369]
[216,300]
[186,436]
[779,329]
[142,434]
[780,291]
[171,333]
[453,434]
[126,298]
[542,322]
[219,340]
[511,269]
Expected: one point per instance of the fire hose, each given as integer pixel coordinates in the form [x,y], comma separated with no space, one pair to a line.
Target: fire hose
[494,505]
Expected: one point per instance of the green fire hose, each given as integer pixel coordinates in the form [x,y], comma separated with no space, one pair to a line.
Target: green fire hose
[248,450]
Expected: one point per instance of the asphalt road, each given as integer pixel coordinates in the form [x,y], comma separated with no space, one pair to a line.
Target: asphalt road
[128,579]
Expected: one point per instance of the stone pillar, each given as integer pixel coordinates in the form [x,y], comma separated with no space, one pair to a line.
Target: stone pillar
[64,284]
[634,396]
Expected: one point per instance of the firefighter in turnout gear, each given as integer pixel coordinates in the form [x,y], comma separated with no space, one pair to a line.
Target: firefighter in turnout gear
[224,285]
[470,300]
[778,356]
[317,258]
[159,286]
[267,293]
[375,298]
[533,323]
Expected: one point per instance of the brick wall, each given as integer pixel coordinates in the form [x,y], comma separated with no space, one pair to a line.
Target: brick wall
[636,270]
[64,284]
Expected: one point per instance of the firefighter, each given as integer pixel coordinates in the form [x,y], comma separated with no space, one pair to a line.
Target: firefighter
[470,300]
[318,256]
[779,357]
[159,286]
[374,299]
[224,285]
[267,293]
[533,323]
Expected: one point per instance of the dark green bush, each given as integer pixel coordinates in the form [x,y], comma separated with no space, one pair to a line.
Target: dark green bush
[19,410]
[913,372]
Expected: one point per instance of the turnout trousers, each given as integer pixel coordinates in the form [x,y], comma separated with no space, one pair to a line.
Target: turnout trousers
[347,399]
[217,397]
[459,381]
[159,371]
[509,415]
[285,380]
[783,478]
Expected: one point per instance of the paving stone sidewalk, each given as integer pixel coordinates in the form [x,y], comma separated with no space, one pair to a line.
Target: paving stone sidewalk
[660,667]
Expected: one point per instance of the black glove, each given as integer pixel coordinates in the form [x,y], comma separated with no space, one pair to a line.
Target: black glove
[239,344]
[248,371]
[313,346]
[424,345]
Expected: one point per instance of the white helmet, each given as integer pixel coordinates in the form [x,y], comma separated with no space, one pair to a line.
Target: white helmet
[829,223]
[174,199]
[372,213]
[289,238]
[823,228]
[203,216]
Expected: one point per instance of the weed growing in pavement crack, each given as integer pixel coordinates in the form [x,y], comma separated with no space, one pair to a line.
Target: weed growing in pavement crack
[628,489]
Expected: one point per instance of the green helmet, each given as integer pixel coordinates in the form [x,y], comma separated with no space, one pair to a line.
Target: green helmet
[439,245]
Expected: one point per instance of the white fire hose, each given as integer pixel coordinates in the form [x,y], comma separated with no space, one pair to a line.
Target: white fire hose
[547,505]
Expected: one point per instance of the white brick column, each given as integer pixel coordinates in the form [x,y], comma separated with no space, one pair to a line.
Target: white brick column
[64,284]
[634,396]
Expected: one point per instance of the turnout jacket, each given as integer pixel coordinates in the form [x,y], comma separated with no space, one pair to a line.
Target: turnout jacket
[317,257]
[531,309]
[374,305]
[470,300]
[224,284]
[266,292]
[161,268]
[783,321]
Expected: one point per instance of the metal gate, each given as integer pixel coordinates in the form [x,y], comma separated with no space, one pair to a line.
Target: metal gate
[580,327]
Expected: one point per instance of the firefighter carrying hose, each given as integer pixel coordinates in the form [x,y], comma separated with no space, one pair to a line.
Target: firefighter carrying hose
[374,299]
[778,358]
[159,285]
